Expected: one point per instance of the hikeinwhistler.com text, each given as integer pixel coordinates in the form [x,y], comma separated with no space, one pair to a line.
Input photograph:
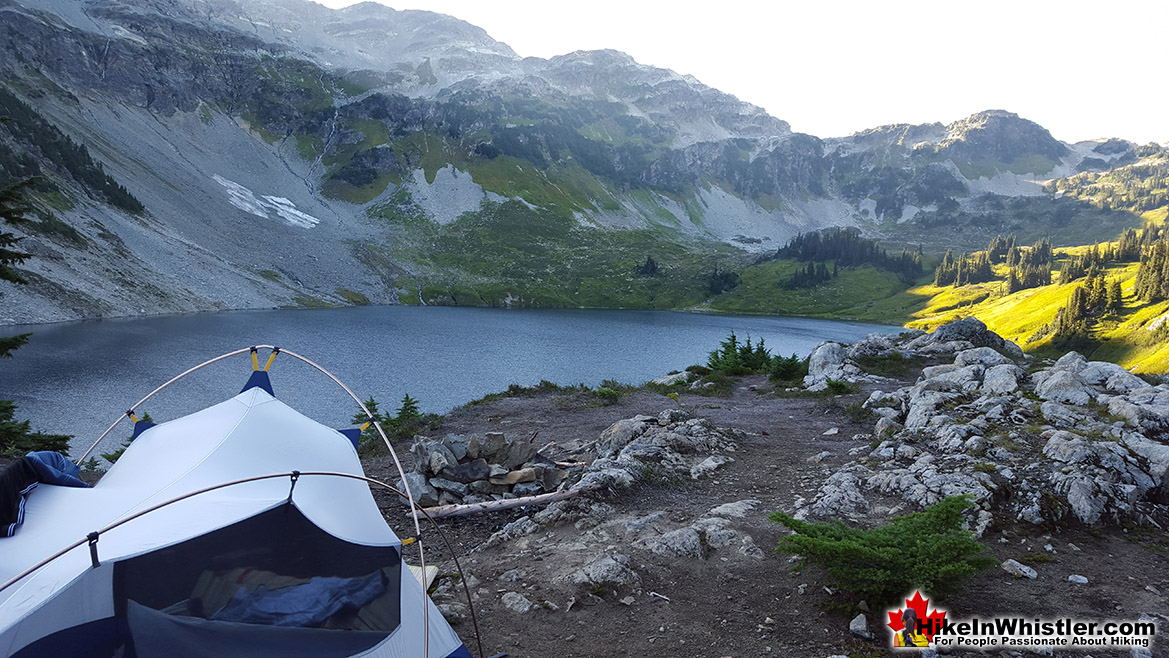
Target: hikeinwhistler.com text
[1020,632]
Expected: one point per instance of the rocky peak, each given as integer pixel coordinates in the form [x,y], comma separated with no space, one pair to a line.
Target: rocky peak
[999,135]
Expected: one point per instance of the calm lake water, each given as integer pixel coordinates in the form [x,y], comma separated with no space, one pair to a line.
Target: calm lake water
[77,378]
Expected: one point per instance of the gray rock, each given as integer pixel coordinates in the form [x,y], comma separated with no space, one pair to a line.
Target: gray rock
[467,472]
[483,487]
[708,466]
[457,444]
[750,549]
[492,445]
[432,456]
[613,477]
[618,435]
[424,494]
[1077,579]
[670,380]
[886,427]
[670,416]
[517,603]
[840,495]
[1072,362]
[1019,570]
[683,542]
[970,330]
[735,510]
[859,627]
[826,359]
[1060,415]
[517,453]
[528,489]
[442,484]
[611,571]
[514,477]
[453,613]
[1065,386]
[1001,379]
[983,356]
[514,530]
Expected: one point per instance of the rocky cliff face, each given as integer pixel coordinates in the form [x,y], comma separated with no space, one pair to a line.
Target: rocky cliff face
[325,132]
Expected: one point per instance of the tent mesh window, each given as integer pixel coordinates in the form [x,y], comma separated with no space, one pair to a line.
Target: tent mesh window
[276,569]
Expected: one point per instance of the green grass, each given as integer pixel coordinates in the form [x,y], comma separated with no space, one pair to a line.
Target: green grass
[510,254]
[353,297]
[1029,164]
[762,290]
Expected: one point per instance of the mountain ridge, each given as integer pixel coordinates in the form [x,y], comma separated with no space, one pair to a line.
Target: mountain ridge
[202,112]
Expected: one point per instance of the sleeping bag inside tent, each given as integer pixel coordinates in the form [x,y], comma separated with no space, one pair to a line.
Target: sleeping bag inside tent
[296,565]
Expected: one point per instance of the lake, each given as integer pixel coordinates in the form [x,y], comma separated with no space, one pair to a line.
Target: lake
[78,377]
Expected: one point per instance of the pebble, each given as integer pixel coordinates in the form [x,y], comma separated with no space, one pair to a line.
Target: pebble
[1019,570]
[1077,579]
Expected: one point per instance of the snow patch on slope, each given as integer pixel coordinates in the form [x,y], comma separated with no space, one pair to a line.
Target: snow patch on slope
[268,207]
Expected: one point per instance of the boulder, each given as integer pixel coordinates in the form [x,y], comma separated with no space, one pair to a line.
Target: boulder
[1001,379]
[708,466]
[1065,386]
[670,380]
[618,435]
[528,489]
[457,444]
[610,571]
[442,484]
[424,494]
[983,356]
[516,453]
[735,510]
[467,472]
[971,331]
[492,444]
[671,416]
[517,603]
[432,456]
[840,495]
[514,477]
[683,542]
[1072,362]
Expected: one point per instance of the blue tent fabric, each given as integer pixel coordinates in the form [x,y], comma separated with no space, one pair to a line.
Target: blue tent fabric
[353,434]
[305,606]
[259,378]
[140,427]
[55,468]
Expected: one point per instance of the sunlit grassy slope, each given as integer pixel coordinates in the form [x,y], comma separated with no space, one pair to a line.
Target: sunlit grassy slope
[1124,338]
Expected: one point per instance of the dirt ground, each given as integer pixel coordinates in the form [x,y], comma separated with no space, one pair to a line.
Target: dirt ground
[725,605]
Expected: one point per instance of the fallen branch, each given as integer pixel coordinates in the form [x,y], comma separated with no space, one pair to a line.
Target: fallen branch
[443,511]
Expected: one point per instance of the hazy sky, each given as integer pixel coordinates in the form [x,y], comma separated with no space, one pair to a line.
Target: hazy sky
[831,68]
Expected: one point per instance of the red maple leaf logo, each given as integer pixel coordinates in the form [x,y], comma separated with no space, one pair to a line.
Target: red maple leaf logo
[929,622]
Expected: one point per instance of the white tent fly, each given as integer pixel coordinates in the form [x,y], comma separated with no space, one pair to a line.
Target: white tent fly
[290,565]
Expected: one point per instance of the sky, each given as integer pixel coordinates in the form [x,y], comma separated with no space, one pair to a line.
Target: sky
[833,67]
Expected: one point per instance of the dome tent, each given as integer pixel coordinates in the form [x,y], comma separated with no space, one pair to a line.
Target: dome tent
[273,546]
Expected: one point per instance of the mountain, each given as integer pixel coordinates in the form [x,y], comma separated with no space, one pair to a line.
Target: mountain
[257,153]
